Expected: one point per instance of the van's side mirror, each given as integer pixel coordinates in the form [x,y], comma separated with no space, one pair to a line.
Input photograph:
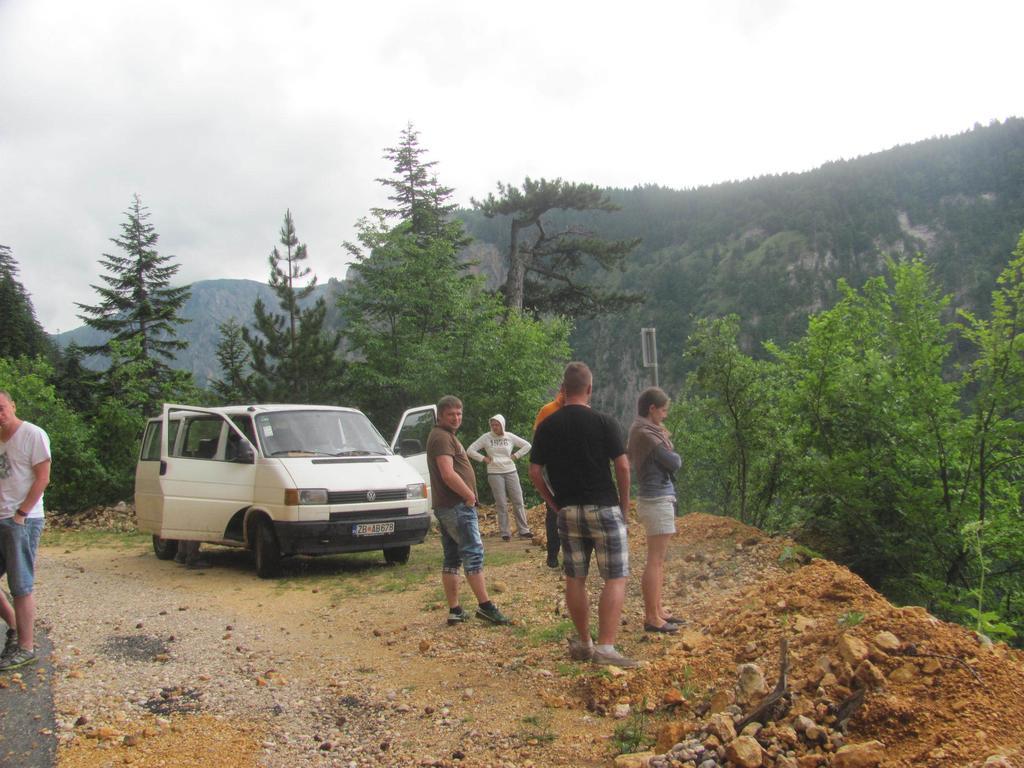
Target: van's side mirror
[245,453]
[410,446]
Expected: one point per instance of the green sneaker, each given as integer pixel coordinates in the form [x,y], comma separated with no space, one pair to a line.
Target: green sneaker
[492,615]
[20,658]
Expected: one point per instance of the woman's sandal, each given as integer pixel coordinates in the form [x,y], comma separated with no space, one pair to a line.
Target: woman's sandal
[667,628]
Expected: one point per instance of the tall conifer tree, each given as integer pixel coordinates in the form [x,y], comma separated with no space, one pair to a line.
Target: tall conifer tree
[293,358]
[22,334]
[137,300]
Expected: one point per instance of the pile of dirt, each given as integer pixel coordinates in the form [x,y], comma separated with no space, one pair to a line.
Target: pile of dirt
[932,693]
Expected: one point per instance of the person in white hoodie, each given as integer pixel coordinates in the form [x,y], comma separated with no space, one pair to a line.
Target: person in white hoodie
[499,449]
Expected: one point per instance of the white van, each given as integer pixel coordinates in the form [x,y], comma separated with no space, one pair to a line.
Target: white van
[283,480]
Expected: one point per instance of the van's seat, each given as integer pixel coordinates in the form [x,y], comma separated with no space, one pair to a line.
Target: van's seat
[207,448]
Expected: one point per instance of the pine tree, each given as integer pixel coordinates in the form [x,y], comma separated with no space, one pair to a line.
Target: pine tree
[418,324]
[420,200]
[235,386]
[293,358]
[543,263]
[137,300]
[76,384]
[22,334]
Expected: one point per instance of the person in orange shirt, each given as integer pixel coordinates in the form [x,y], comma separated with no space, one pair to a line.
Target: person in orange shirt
[551,516]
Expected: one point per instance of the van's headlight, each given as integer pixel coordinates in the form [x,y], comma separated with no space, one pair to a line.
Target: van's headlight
[416,491]
[295,496]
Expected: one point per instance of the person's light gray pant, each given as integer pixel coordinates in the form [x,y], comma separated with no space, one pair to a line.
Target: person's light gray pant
[505,488]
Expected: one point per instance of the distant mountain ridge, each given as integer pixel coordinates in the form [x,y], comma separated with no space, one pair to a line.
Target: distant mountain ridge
[769,249]
[212,302]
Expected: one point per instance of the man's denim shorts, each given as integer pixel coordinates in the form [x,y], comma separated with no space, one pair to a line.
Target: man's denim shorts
[588,528]
[460,539]
[18,545]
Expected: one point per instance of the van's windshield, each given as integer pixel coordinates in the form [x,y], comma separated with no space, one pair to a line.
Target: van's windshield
[318,433]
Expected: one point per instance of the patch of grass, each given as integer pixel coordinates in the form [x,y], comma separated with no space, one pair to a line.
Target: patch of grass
[850,619]
[570,669]
[435,599]
[538,728]
[356,572]
[494,558]
[551,633]
[796,555]
[686,687]
[83,539]
[630,736]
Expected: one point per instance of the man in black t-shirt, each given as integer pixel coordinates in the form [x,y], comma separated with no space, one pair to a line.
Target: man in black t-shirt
[577,447]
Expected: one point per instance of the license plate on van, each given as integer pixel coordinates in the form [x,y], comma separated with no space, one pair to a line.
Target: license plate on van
[373,529]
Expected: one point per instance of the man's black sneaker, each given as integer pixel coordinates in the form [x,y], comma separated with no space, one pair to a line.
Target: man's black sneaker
[527,535]
[492,614]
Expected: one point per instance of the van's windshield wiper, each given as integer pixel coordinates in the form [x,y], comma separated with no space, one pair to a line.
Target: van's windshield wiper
[359,453]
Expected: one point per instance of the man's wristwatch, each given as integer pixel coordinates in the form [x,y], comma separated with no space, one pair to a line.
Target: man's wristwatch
[19,513]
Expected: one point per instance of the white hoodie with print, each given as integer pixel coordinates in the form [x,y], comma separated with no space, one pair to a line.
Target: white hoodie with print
[502,449]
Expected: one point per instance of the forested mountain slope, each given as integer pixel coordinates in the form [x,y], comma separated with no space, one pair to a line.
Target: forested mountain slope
[772,249]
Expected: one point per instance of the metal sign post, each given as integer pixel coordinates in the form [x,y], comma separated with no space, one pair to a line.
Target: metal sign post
[649,344]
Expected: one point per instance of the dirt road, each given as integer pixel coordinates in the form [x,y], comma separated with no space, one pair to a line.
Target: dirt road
[348,662]
[343,661]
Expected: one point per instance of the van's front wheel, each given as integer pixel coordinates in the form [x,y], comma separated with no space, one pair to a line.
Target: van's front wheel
[397,555]
[165,549]
[267,550]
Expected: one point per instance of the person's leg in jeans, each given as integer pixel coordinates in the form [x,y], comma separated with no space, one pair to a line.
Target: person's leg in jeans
[471,550]
[497,483]
[20,543]
[452,563]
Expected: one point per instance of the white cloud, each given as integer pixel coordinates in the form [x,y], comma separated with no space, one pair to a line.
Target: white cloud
[223,114]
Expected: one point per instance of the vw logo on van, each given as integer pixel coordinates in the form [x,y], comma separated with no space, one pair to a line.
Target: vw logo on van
[371,495]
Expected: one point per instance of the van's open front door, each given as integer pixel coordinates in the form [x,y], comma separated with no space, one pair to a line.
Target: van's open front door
[204,477]
[410,440]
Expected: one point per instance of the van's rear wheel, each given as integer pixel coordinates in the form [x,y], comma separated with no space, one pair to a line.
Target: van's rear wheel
[165,549]
[397,555]
[266,550]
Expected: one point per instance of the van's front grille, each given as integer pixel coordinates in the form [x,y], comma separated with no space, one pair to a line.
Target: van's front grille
[364,516]
[365,497]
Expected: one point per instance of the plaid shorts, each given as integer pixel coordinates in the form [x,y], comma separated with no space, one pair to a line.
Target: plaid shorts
[588,528]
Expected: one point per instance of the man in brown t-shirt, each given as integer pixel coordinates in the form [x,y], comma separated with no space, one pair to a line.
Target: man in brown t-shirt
[453,487]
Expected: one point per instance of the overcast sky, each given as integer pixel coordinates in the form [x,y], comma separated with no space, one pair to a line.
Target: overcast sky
[222,114]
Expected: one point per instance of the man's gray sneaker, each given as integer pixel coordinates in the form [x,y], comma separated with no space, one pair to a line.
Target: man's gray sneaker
[492,614]
[613,658]
[20,658]
[11,645]
[457,618]
[580,651]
